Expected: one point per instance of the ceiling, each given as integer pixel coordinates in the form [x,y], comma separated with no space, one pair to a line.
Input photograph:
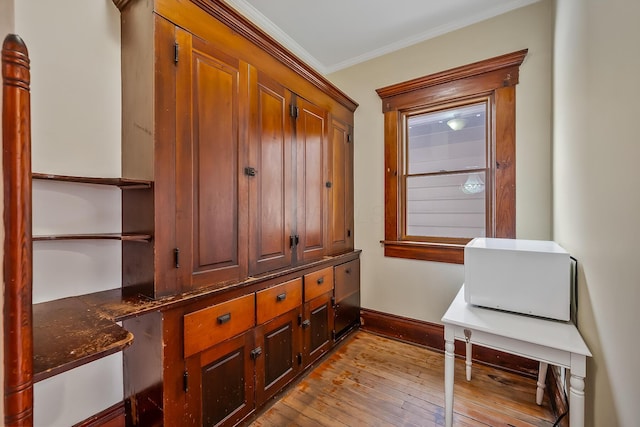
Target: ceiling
[331,35]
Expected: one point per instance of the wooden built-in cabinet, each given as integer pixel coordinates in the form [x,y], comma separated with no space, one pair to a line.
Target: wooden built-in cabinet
[251,156]
[252,160]
[347,296]
[218,359]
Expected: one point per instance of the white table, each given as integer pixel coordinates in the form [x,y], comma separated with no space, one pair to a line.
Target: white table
[547,341]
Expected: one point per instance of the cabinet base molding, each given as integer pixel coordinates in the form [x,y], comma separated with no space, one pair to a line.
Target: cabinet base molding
[431,335]
[113,416]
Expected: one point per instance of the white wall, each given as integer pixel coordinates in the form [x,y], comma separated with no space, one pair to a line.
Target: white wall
[74,46]
[596,197]
[419,289]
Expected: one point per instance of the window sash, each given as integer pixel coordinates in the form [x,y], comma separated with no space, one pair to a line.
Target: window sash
[494,79]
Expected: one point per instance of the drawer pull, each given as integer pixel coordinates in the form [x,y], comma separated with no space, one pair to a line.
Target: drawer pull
[348,271]
[256,352]
[224,318]
[281,297]
[320,281]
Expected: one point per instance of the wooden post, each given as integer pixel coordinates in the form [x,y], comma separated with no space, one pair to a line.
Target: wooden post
[18,248]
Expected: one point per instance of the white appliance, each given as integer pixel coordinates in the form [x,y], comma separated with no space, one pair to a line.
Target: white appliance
[524,276]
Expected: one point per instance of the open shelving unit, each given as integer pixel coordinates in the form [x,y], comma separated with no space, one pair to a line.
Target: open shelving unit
[73,331]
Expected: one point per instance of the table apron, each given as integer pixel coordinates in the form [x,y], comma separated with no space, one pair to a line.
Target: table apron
[537,352]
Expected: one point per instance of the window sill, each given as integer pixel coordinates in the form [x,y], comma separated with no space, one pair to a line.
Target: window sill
[425,251]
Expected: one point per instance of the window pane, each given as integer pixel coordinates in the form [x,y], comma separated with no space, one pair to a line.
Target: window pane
[434,145]
[446,205]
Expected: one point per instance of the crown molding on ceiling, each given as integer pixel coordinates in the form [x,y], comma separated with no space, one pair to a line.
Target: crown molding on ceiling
[255,16]
[430,34]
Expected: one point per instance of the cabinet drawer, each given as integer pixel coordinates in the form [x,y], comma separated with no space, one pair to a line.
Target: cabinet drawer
[347,279]
[318,283]
[277,300]
[211,325]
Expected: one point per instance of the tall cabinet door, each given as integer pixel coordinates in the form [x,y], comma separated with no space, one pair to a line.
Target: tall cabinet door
[340,232]
[270,176]
[311,172]
[211,189]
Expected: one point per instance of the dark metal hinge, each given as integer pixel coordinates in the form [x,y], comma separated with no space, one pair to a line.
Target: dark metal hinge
[176,257]
[299,358]
[176,48]
[185,381]
[294,240]
[293,111]
[349,138]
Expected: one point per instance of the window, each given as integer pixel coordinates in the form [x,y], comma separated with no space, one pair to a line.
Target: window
[450,159]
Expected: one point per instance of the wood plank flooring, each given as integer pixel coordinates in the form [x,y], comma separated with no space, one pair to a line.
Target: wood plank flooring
[375,381]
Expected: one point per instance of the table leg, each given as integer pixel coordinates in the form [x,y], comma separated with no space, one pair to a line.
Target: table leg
[542,377]
[576,401]
[449,361]
[468,361]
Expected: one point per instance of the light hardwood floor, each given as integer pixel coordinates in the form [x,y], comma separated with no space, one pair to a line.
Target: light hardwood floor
[375,381]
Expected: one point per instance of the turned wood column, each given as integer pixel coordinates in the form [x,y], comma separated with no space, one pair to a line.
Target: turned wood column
[16,140]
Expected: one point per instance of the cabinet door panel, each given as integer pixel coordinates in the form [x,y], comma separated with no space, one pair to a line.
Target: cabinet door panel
[318,326]
[340,232]
[271,188]
[220,383]
[279,362]
[347,295]
[312,170]
[209,215]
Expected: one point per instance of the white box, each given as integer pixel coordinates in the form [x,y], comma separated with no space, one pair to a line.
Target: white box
[524,276]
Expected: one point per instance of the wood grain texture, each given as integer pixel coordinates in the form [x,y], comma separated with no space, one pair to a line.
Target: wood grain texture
[277,300]
[113,416]
[67,333]
[488,66]
[18,248]
[214,324]
[318,283]
[493,81]
[123,183]
[375,381]
[432,335]
[221,11]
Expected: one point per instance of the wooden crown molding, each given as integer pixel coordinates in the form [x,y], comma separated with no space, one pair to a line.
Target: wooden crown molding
[490,65]
[230,17]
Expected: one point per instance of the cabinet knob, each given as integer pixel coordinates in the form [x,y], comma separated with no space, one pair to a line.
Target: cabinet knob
[249,171]
[328,184]
[320,281]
